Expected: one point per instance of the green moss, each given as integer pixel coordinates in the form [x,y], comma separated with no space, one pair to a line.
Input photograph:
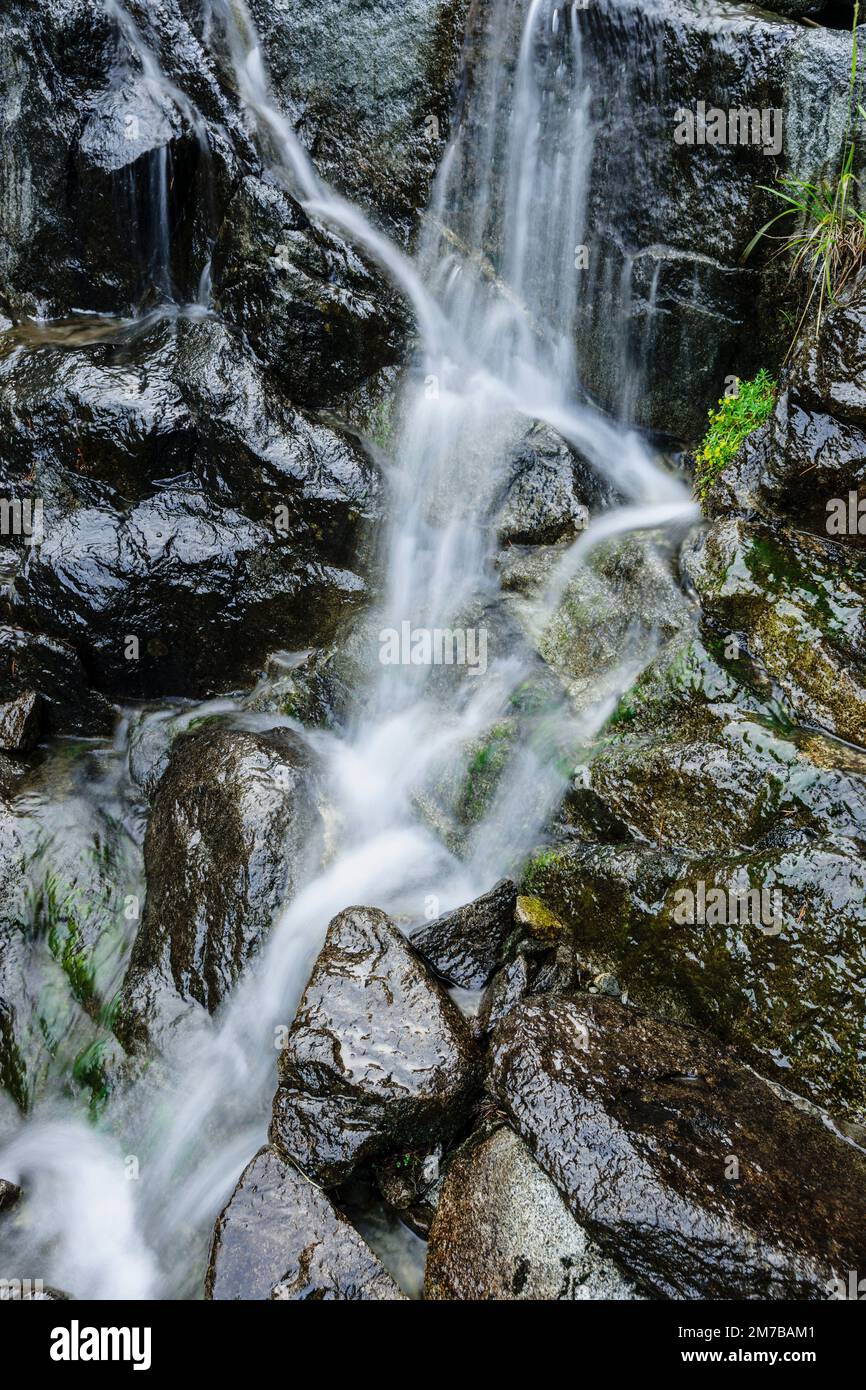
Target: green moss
[736,418]
[89,1072]
[483,772]
[537,868]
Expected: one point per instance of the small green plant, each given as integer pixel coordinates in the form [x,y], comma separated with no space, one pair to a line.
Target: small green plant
[736,417]
[828,242]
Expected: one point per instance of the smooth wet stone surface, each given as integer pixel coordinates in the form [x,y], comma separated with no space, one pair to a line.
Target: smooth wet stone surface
[502,1231]
[183,495]
[234,817]
[508,986]
[638,1124]
[548,493]
[19,723]
[280,1238]
[378,1058]
[466,946]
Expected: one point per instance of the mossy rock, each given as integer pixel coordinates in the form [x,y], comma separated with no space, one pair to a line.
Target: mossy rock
[790,997]
[797,603]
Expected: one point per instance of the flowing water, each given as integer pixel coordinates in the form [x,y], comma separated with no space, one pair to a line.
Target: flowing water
[125,1207]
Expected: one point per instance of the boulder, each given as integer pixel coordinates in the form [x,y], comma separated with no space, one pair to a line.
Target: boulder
[311,308]
[778,971]
[465,946]
[179,594]
[175,479]
[696,1177]
[548,493]
[796,603]
[502,1231]
[508,986]
[278,1237]
[378,1058]
[233,816]
[702,754]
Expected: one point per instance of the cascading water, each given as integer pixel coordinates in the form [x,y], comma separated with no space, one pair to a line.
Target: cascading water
[494,288]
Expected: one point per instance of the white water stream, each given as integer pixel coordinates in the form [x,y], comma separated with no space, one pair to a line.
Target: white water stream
[494,289]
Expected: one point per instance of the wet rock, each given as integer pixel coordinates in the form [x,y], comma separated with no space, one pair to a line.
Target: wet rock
[30,661]
[174,476]
[232,818]
[502,1231]
[97,149]
[775,965]
[508,986]
[178,594]
[279,1237]
[19,723]
[694,1176]
[666,296]
[466,946]
[378,1059]
[548,493]
[309,305]
[537,921]
[609,616]
[410,1184]
[702,754]
[370,84]
[123,184]
[796,601]
[811,453]
[9,1194]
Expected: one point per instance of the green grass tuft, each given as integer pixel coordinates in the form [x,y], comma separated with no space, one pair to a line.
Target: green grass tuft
[734,420]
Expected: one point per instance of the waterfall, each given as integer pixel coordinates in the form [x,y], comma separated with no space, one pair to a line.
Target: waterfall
[494,287]
[155,223]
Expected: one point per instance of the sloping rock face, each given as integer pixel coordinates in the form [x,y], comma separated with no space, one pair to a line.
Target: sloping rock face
[502,1231]
[670,221]
[378,1058]
[371,86]
[279,1237]
[667,308]
[687,1168]
[233,818]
